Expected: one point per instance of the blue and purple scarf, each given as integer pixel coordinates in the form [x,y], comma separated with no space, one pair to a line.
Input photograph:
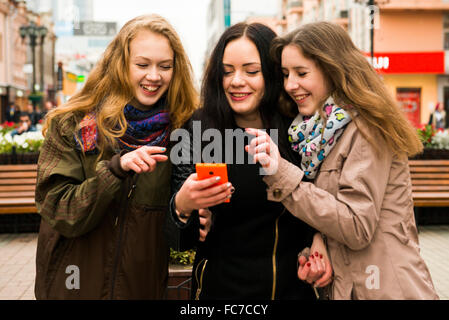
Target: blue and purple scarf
[145,128]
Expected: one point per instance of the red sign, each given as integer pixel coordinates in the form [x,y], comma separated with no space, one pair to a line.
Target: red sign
[409,62]
[409,100]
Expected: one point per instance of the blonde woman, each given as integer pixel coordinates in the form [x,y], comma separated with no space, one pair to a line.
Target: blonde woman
[103,174]
[353,183]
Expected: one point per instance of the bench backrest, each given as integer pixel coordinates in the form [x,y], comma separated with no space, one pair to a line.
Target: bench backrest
[430,182]
[17,187]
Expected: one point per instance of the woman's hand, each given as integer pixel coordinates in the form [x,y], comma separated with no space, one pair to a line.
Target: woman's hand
[263,150]
[317,269]
[144,159]
[205,223]
[199,194]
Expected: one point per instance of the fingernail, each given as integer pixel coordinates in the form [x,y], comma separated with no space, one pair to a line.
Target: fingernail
[163,149]
[228,184]
[217,178]
[311,256]
[316,254]
[321,256]
[308,264]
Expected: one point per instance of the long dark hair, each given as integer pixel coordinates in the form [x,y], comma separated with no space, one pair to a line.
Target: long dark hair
[215,111]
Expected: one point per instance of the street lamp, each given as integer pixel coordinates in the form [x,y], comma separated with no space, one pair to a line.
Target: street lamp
[372,13]
[34,33]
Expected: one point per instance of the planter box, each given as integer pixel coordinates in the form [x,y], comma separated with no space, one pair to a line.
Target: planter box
[27,158]
[179,282]
[19,158]
[6,158]
[432,154]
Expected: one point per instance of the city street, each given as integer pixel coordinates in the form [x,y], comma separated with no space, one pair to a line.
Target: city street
[93,92]
[17,262]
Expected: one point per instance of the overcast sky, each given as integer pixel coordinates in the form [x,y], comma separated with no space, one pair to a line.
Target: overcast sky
[188,18]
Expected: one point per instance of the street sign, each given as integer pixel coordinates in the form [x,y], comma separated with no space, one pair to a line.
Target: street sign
[96,28]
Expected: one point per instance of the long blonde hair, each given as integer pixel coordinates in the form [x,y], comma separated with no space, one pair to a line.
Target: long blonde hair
[108,90]
[353,82]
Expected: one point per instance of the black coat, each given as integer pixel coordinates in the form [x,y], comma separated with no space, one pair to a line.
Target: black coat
[251,250]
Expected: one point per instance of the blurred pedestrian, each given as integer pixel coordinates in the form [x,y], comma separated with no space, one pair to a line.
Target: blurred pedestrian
[438,117]
[48,106]
[12,113]
[25,125]
[353,184]
[250,248]
[103,175]
[34,116]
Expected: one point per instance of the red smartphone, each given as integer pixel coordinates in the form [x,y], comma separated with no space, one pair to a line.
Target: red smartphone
[208,170]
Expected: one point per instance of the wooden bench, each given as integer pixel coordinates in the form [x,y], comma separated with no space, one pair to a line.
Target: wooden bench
[430,182]
[430,185]
[17,187]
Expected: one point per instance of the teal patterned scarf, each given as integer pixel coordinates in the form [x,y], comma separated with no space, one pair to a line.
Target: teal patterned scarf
[314,137]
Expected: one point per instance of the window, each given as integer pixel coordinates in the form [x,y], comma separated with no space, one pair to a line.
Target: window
[446,31]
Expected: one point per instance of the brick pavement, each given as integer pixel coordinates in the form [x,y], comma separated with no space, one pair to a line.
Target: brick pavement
[17,262]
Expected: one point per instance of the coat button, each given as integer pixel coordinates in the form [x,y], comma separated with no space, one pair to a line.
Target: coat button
[277,193]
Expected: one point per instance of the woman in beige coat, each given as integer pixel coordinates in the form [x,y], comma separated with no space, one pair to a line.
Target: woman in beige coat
[354,182]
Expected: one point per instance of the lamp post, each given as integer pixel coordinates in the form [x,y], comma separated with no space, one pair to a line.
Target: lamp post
[372,12]
[34,32]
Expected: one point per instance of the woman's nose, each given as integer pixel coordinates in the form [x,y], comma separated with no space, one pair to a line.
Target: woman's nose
[237,80]
[153,75]
[290,84]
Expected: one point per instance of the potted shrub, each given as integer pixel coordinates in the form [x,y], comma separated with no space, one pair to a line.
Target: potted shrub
[28,145]
[180,274]
[6,149]
[20,149]
[436,143]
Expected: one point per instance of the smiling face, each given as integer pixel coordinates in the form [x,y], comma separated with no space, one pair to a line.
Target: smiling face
[243,81]
[150,67]
[303,80]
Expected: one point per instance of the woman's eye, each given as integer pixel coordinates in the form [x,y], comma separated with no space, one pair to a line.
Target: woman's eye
[141,65]
[285,75]
[253,72]
[302,74]
[227,72]
[167,67]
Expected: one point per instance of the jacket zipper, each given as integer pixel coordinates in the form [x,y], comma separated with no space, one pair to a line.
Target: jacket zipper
[276,239]
[121,218]
[199,282]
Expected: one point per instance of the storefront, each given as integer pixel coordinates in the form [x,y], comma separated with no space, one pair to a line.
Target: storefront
[413,80]
[443,93]
[8,95]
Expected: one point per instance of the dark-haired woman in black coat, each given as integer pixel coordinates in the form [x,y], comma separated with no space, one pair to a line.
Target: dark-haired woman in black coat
[251,250]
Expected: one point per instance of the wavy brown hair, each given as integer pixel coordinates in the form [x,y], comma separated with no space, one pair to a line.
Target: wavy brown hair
[108,90]
[353,82]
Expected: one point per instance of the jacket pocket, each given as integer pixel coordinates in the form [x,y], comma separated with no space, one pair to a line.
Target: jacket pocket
[398,230]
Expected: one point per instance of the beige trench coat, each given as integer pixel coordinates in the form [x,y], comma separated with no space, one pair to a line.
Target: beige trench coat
[362,202]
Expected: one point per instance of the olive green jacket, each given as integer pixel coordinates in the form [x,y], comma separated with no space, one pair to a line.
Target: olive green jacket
[101,235]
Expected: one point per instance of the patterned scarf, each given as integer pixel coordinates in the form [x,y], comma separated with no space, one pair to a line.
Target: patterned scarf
[145,128]
[313,137]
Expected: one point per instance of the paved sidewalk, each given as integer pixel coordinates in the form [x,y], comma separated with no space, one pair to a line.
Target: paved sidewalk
[17,262]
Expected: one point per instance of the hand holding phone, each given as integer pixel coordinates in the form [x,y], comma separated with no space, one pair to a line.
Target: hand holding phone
[209,170]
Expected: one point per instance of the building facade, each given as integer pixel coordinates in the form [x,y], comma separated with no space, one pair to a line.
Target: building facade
[410,44]
[13,55]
